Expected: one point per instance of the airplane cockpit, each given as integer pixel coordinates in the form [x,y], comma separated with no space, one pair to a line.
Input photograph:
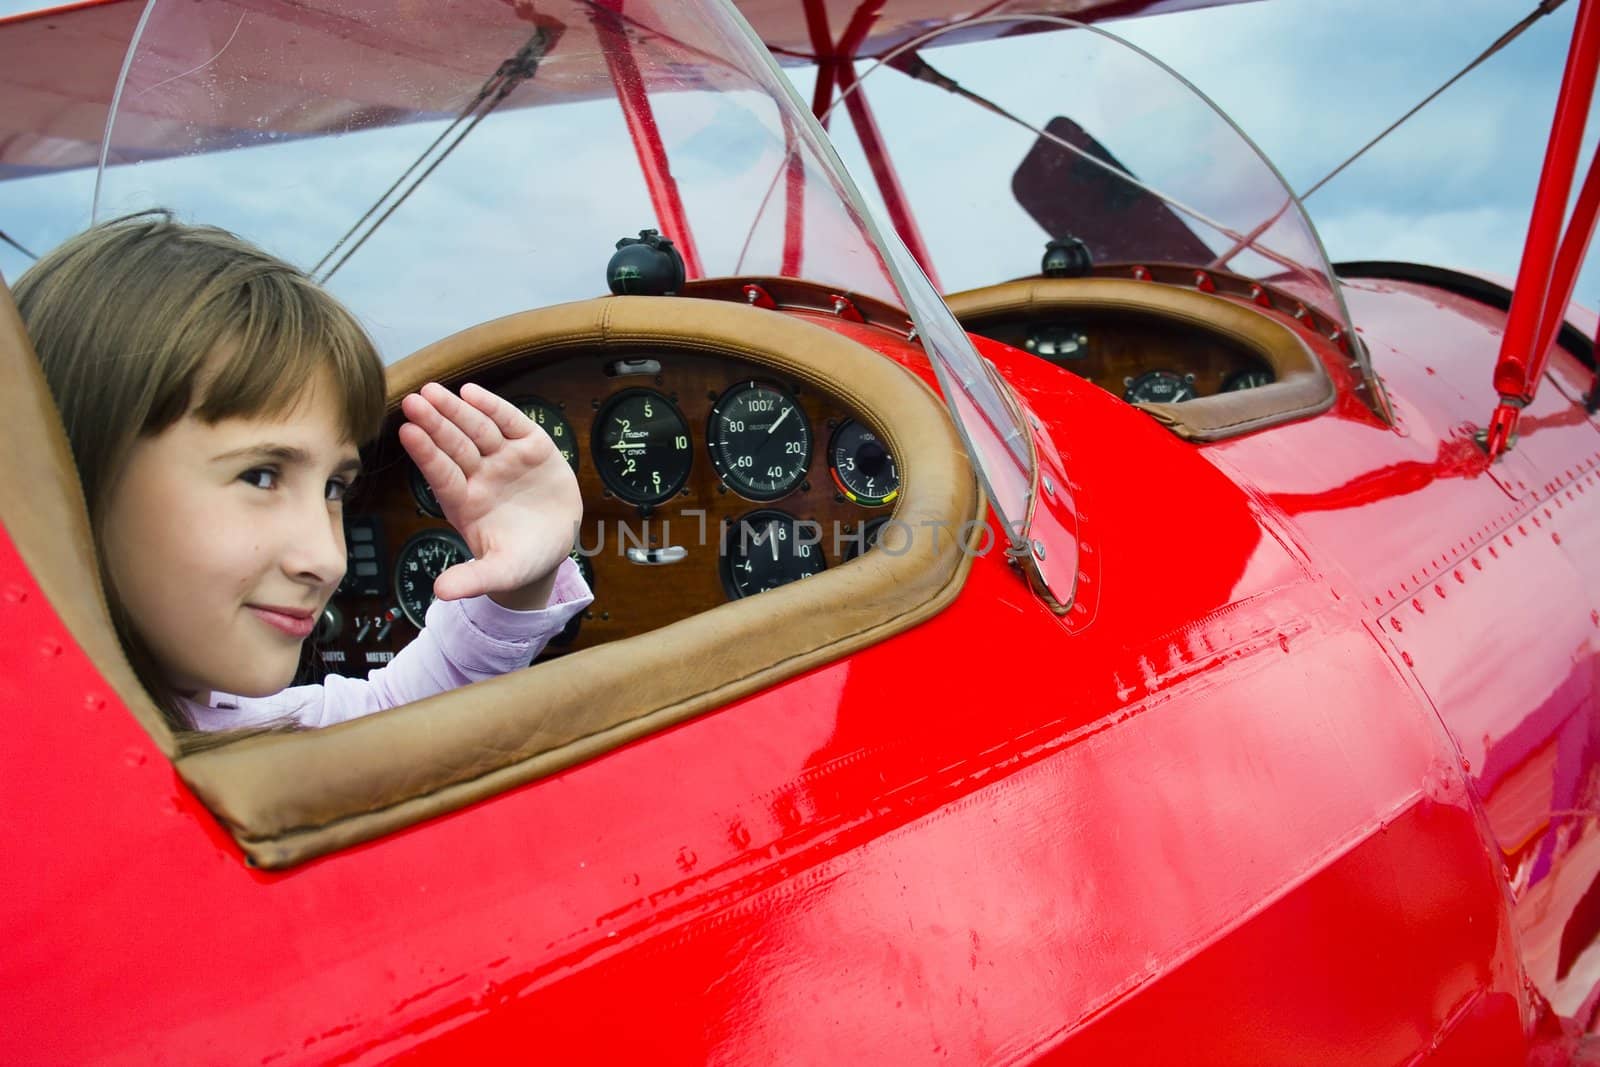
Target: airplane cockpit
[1100,240]
[627,223]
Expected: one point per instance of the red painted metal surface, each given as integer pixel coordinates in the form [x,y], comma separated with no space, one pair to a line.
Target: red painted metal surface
[639,114]
[1456,570]
[1539,278]
[816,12]
[1569,259]
[794,206]
[1283,790]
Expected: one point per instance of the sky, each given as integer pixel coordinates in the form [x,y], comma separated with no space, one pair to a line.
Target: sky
[1455,185]
[1310,81]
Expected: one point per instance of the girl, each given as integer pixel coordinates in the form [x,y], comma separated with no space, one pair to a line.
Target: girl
[215,398]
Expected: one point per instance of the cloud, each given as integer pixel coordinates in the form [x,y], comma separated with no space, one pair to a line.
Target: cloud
[1311,82]
[1308,80]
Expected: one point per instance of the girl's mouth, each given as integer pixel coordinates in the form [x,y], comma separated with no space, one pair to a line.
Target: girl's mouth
[297,624]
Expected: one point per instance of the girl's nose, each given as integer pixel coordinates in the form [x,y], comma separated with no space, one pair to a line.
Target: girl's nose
[315,552]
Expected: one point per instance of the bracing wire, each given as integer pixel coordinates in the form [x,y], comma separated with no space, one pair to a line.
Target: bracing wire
[12,241]
[510,74]
[1544,8]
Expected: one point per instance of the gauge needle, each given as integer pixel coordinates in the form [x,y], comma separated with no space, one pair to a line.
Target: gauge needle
[774,545]
[775,425]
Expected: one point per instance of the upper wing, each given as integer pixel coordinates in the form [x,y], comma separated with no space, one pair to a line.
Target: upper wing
[59,68]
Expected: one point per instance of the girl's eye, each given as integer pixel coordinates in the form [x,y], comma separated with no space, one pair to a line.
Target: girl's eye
[338,488]
[260,478]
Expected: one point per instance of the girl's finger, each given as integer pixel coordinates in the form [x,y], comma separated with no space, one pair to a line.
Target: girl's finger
[445,434]
[438,469]
[507,416]
[478,427]
[472,578]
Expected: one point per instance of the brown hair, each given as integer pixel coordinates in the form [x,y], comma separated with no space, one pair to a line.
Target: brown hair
[143,319]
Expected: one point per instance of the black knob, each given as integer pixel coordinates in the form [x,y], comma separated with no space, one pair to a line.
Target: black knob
[1066,257]
[329,625]
[647,265]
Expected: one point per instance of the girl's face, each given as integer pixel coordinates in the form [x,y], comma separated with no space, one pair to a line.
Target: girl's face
[224,542]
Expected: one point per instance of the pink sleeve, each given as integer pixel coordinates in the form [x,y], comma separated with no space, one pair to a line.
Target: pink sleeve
[463,641]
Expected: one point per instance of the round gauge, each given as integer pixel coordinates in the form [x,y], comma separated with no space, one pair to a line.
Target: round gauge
[422,492]
[760,440]
[641,446]
[868,539]
[548,418]
[422,559]
[1246,379]
[862,468]
[1159,387]
[766,549]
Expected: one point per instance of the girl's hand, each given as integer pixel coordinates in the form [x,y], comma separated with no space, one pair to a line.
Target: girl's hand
[502,484]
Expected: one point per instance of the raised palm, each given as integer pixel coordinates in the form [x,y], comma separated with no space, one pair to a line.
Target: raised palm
[502,484]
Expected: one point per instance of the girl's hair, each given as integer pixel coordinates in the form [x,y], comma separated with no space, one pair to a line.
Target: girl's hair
[143,319]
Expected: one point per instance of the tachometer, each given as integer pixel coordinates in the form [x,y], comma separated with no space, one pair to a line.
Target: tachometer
[1159,387]
[422,559]
[861,466]
[422,493]
[1246,379]
[641,446]
[548,418]
[769,548]
[760,440]
[865,538]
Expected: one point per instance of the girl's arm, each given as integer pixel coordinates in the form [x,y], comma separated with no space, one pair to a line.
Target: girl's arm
[503,484]
[464,641]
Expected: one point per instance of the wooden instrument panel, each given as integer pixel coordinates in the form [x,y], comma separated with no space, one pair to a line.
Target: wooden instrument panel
[701,519]
[1112,350]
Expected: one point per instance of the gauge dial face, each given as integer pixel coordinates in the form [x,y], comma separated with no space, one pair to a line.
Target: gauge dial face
[760,440]
[1246,379]
[867,538]
[641,446]
[422,559]
[769,548]
[861,466]
[1159,387]
[422,492]
[548,418]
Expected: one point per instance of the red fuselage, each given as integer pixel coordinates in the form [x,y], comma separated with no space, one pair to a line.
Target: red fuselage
[1306,777]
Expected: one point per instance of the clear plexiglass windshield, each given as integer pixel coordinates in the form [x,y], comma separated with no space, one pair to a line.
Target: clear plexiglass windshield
[1004,133]
[441,164]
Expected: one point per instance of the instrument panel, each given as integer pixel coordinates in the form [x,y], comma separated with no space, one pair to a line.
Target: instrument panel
[1139,359]
[705,478]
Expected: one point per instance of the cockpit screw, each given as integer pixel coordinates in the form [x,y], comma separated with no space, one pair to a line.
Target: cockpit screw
[1038,549]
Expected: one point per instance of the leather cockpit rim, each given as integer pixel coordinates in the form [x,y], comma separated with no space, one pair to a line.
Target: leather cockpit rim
[290,797]
[1301,387]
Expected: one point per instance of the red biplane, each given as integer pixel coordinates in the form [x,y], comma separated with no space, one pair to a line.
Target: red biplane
[1170,650]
